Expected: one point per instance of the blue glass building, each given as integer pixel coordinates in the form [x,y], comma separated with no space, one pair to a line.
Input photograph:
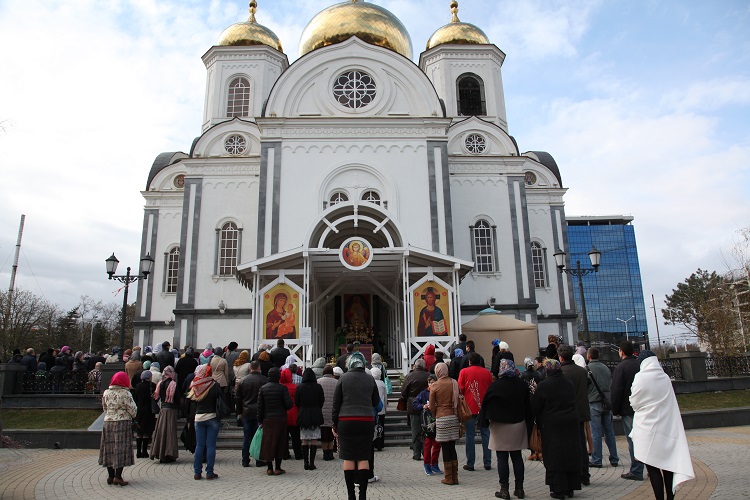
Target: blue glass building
[616,290]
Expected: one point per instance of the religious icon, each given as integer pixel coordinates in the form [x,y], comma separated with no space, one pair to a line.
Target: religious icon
[432,319]
[355,253]
[280,306]
[357,310]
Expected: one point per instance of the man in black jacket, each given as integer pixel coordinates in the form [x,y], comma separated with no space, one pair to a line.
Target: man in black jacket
[622,383]
[470,347]
[279,354]
[579,377]
[247,408]
[414,383]
[165,356]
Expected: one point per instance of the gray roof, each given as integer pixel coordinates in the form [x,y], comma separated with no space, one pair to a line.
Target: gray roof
[546,159]
[163,160]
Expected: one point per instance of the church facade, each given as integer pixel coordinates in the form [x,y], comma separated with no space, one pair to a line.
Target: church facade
[351,195]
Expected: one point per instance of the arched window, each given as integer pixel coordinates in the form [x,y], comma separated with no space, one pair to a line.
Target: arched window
[172,267]
[371,197]
[238,97]
[539,264]
[338,197]
[483,246]
[229,243]
[470,96]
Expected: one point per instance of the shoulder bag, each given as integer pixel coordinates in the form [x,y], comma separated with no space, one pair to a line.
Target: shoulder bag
[463,411]
[535,441]
[222,409]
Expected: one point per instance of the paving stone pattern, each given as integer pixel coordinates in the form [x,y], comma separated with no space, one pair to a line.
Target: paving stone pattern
[719,458]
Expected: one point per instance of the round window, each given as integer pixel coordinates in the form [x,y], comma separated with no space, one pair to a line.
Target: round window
[354,89]
[235,144]
[529,178]
[475,144]
[179,181]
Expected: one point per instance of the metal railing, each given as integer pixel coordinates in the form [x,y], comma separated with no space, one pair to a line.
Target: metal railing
[728,366]
[65,382]
[672,367]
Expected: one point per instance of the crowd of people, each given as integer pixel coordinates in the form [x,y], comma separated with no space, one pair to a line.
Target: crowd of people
[566,393]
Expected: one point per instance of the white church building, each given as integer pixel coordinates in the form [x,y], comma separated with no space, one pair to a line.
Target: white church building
[353,194]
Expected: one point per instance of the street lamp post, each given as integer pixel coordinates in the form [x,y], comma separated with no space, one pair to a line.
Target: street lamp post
[147,264]
[627,337]
[595,256]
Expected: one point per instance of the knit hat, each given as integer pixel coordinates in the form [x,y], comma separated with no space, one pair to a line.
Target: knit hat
[337,371]
[496,342]
[504,345]
[645,354]
[64,349]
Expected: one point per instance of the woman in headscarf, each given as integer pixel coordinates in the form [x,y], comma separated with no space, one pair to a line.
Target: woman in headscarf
[165,439]
[291,415]
[116,448]
[658,434]
[443,405]
[134,367]
[456,362]
[220,370]
[273,403]
[155,368]
[291,360]
[203,392]
[554,407]
[145,418]
[206,355]
[328,383]
[309,399]
[265,363]
[318,366]
[241,368]
[354,401]
[506,410]
[429,356]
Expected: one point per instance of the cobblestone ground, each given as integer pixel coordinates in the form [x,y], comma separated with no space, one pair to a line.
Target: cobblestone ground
[719,458]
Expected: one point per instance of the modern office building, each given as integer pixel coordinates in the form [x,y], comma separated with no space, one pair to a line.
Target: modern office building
[614,294]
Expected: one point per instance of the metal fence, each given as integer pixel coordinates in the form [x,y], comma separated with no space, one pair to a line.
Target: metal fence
[65,382]
[672,367]
[728,366]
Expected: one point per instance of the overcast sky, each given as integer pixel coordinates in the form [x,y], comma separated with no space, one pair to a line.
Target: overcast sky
[645,106]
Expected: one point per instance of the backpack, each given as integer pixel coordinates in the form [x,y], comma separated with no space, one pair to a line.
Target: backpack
[427,422]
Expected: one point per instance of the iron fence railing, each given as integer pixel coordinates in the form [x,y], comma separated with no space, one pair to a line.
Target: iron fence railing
[66,382]
[728,366]
[672,367]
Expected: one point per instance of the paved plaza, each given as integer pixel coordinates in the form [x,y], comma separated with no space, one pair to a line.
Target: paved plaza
[719,458]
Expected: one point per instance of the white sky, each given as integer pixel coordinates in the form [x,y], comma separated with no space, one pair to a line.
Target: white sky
[644,105]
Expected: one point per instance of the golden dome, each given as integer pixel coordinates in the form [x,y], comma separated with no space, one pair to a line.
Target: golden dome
[456,32]
[368,22]
[250,33]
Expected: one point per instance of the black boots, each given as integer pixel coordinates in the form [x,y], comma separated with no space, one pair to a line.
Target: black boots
[363,475]
[518,492]
[305,451]
[503,493]
[350,476]
[328,455]
[141,447]
[312,450]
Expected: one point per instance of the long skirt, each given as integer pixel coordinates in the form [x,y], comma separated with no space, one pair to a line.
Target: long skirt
[116,448]
[164,443]
[355,439]
[447,428]
[274,444]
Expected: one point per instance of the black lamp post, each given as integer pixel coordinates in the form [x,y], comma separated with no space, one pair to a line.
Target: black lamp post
[147,263]
[595,256]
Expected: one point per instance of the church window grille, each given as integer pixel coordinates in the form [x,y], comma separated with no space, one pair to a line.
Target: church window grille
[228,248]
[238,98]
[235,144]
[471,96]
[484,261]
[354,89]
[173,267]
[475,144]
[538,262]
[337,198]
[371,197]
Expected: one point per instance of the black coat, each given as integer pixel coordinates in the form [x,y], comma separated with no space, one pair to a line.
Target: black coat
[580,378]
[553,406]
[145,418]
[622,384]
[185,366]
[309,398]
[248,391]
[278,356]
[506,401]
[165,358]
[273,401]
[414,383]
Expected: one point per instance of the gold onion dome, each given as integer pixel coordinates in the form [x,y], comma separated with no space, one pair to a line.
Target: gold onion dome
[368,22]
[250,33]
[456,32]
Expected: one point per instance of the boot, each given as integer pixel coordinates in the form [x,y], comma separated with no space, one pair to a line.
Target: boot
[363,476]
[138,444]
[305,451]
[503,493]
[455,471]
[146,442]
[327,455]
[313,451]
[448,479]
[518,492]
[350,476]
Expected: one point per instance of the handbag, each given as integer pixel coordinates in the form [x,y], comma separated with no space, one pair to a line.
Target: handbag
[535,441]
[255,444]
[222,409]
[388,386]
[463,412]
[401,405]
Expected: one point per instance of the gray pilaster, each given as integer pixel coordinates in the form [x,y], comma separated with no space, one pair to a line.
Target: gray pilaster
[433,197]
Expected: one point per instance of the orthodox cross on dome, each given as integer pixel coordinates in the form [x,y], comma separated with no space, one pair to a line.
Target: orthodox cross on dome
[252,8]
[454,12]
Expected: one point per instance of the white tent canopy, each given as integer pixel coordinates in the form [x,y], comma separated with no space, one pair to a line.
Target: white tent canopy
[522,337]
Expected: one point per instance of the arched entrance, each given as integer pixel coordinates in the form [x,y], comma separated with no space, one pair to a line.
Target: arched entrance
[356,278]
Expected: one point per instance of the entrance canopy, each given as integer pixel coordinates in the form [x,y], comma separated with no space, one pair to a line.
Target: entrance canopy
[522,337]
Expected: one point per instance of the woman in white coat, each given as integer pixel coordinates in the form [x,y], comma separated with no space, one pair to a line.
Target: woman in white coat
[658,434]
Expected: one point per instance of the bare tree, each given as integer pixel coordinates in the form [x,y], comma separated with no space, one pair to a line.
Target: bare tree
[29,317]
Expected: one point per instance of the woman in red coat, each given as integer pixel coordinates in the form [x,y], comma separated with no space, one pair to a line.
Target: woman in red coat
[291,414]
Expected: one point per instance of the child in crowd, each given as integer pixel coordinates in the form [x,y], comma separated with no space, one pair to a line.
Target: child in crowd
[431,451]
